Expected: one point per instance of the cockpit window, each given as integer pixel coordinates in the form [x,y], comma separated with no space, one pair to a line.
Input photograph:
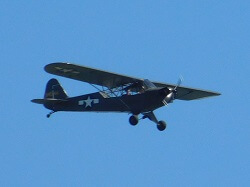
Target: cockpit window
[148,84]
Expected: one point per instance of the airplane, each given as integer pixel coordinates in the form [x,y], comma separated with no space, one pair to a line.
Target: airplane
[116,93]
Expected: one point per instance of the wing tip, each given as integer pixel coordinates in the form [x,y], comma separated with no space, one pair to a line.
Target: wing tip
[49,68]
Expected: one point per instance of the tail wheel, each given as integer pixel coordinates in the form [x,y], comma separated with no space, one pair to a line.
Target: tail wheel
[161,126]
[133,120]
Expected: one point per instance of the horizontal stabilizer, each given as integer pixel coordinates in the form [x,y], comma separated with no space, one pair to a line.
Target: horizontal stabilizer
[48,101]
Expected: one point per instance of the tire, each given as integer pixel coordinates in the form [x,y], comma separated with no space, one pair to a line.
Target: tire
[133,120]
[161,126]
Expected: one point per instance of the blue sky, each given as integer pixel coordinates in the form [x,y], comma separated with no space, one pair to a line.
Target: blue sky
[206,142]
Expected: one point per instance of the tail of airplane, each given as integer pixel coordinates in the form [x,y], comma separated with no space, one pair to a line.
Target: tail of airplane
[54,93]
[54,90]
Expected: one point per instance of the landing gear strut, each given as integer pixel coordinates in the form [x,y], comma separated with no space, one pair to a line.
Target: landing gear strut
[161,125]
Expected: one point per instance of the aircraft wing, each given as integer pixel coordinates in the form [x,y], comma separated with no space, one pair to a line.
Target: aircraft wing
[90,75]
[186,93]
[113,80]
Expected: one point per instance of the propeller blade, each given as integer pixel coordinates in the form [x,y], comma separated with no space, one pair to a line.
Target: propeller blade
[180,80]
[173,92]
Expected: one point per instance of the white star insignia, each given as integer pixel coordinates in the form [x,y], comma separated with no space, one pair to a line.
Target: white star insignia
[88,102]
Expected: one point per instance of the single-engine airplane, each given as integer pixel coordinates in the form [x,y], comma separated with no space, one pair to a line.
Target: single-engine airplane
[116,93]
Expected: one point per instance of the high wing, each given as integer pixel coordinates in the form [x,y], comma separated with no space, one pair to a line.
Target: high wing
[113,80]
[90,75]
[186,93]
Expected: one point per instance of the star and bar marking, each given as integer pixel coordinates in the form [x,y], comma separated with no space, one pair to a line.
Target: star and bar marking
[88,102]
[64,70]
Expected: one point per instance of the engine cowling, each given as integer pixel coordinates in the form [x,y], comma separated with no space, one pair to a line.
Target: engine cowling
[169,98]
[165,91]
[170,95]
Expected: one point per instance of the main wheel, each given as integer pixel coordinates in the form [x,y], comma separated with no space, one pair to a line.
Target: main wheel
[161,126]
[133,120]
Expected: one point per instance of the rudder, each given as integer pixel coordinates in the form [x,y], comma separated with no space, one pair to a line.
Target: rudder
[54,90]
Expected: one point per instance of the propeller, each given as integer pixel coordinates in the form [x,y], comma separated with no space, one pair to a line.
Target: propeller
[179,82]
[172,92]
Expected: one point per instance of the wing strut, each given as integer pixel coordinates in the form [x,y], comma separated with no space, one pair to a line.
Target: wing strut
[111,91]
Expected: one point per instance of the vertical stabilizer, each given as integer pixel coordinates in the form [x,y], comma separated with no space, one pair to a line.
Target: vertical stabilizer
[54,90]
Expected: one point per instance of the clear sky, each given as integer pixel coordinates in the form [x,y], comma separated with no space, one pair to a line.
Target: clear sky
[206,142]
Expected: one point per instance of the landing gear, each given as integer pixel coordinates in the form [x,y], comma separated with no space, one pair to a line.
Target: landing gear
[133,120]
[52,112]
[161,126]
